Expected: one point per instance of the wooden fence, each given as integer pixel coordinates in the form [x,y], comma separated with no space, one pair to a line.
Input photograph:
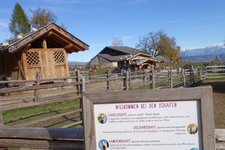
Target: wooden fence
[72,138]
[215,72]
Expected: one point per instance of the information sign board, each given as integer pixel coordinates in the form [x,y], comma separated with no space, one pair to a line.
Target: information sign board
[156,119]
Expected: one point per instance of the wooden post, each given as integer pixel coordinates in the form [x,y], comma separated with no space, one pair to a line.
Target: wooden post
[192,74]
[127,81]
[171,78]
[82,86]
[184,77]
[145,78]
[200,73]
[130,75]
[152,78]
[77,73]
[37,82]
[107,77]
[206,72]
[1,119]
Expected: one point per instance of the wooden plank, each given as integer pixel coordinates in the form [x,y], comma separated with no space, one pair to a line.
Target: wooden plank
[41,133]
[41,144]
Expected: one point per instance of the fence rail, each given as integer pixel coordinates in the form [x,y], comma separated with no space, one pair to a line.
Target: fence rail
[58,138]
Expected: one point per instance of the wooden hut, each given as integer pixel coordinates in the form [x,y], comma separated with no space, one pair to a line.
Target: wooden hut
[138,61]
[142,61]
[43,51]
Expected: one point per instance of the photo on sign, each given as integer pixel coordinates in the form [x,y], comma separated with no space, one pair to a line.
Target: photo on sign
[192,128]
[102,118]
[103,145]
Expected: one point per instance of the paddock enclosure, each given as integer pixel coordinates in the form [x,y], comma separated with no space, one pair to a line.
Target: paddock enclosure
[56,135]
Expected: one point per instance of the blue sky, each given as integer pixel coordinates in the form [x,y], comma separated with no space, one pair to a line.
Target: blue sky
[194,23]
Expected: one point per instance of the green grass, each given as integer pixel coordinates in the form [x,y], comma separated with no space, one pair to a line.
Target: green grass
[10,114]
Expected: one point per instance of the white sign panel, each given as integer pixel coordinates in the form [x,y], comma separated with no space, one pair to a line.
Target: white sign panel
[169,125]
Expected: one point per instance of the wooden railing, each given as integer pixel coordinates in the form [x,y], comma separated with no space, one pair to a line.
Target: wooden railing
[34,91]
[42,138]
[215,72]
[66,139]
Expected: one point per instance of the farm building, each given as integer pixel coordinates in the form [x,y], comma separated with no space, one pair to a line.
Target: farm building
[111,55]
[43,51]
[123,57]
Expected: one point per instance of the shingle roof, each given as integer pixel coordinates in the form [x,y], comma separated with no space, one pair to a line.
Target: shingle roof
[13,45]
[113,58]
[124,49]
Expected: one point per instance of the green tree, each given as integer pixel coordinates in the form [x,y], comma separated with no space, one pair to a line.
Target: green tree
[159,43]
[41,17]
[19,22]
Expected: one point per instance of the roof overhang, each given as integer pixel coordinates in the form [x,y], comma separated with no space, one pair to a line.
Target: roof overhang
[51,31]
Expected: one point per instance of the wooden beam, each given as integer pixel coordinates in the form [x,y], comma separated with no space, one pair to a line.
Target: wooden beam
[21,70]
[68,46]
[44,44]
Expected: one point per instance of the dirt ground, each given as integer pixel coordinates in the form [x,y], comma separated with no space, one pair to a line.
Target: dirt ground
[218,103]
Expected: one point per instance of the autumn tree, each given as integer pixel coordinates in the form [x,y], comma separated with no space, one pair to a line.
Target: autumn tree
[19,22]
[159,43]
[42,17]
[167,47]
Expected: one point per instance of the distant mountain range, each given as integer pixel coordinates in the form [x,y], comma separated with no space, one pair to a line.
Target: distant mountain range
[207,53]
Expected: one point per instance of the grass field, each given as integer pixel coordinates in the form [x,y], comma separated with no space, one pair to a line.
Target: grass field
[20,116]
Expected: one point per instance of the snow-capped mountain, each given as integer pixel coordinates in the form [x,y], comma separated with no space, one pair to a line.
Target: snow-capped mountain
[207,53]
